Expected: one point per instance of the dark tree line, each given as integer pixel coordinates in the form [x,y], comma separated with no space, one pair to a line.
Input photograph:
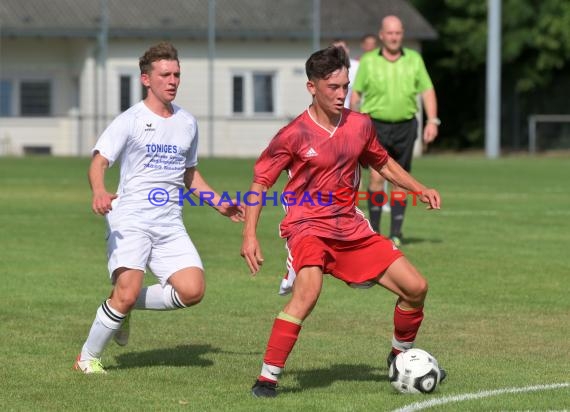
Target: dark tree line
[535,66]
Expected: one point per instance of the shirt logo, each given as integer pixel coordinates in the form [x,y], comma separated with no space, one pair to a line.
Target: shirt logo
[311,153]
[149,127]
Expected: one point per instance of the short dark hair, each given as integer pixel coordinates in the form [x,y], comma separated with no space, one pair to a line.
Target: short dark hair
[321,64]
[369,35]
[161,51]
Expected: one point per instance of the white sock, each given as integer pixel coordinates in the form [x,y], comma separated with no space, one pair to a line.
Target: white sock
[401,346]
[156,297]
[107,322]
[270,372]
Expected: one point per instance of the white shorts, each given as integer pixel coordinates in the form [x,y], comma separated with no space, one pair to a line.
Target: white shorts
[163,249]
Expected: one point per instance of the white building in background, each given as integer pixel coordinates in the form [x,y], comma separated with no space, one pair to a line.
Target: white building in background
[63,76]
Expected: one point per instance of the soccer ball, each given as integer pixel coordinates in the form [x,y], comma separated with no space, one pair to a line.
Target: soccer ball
[414,371]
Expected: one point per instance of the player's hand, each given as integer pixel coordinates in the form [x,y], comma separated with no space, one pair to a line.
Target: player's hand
[430,132]
[251,252]
[431,198]
[234,211]
[101,204]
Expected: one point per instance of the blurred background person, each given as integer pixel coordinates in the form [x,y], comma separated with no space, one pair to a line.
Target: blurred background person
[368,42]
[386,87]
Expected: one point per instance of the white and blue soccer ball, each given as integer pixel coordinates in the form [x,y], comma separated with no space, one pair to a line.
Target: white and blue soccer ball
[414,371]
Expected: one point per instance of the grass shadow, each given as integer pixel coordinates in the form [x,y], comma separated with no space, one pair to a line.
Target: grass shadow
[323,377]
[416,240]
[182,355]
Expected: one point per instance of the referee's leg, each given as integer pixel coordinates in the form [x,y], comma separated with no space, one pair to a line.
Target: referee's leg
[404,139]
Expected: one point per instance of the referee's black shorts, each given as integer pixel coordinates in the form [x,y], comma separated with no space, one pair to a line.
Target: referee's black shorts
[398,139]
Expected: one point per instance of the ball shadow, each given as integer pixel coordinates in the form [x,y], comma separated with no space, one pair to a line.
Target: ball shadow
[323,377]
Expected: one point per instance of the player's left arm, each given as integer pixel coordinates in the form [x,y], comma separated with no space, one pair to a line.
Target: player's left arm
[396,175]
[194,180]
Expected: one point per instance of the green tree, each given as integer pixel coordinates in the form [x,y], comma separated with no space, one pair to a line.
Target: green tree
[535,38]
[535,50]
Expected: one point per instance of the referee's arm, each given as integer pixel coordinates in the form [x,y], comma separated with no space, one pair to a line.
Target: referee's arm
[430,106]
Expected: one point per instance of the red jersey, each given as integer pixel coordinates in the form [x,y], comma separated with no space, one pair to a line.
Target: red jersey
[324,174]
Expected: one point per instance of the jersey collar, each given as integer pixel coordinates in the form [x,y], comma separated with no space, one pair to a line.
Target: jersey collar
[331,133]
[402,54]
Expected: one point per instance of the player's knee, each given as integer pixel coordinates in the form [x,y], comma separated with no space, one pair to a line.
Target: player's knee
[306,300]
[310,294]
[418,293]
[191,297]
[125,299]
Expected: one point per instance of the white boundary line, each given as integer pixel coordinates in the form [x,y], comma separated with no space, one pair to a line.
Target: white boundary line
[418,406]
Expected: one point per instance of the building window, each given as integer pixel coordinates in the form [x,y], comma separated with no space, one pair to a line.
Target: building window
[76,93]
[263,93]
[125,97]
[253,93]
[238,94]
[35,98]
[5,98]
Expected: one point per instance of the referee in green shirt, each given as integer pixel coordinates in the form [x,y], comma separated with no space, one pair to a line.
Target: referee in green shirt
[386,87]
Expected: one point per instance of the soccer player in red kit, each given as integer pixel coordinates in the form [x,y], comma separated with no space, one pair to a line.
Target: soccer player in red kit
[322,151]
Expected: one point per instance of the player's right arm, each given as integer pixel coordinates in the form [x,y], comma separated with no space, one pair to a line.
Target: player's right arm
[274,159]
[250,248]
[101,203]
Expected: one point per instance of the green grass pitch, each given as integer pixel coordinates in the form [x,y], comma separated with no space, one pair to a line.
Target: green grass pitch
[497,315]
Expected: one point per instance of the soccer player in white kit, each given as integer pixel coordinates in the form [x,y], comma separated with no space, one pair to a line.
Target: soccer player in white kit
[156,143]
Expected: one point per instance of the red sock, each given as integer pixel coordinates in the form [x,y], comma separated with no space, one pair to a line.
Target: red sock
[283,337]
[406,326]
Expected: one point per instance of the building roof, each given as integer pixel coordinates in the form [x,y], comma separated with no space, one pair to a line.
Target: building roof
[235,19]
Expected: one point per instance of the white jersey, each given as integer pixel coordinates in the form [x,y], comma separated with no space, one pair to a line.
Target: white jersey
[154,153]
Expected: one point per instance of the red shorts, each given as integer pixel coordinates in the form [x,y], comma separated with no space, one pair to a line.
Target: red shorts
[355,261]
